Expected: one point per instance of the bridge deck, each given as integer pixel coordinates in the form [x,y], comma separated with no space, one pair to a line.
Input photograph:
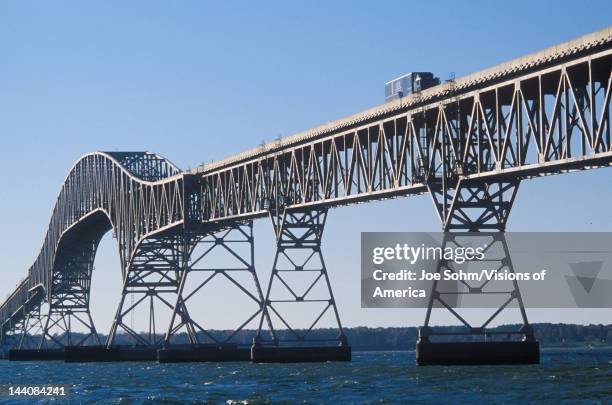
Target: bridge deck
[502,71]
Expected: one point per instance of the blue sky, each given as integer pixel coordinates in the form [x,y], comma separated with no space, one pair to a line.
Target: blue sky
[197,81]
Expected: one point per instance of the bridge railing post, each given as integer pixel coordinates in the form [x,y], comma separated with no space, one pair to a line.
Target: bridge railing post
[298,253]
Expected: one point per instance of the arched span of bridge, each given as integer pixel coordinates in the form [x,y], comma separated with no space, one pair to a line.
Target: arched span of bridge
[137,195]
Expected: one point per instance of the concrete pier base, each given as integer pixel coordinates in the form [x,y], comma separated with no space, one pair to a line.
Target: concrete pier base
[266,354]
[203,353]
[83,354]
[36,355]
[134,354]
[473,353]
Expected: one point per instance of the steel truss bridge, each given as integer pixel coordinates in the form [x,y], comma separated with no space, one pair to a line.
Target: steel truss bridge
[468,143]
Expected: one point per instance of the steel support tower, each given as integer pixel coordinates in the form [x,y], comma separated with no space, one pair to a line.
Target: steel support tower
[298,253]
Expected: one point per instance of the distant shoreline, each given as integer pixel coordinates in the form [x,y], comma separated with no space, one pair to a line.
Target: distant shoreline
[365,338]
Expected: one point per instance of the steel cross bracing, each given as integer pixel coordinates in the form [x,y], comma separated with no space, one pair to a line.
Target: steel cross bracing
[31,328]
[478,216]
[234,245]
[24,328]
[298,253]
[71,282]
[508,293]
[16,308]
[152,277]
[468,143]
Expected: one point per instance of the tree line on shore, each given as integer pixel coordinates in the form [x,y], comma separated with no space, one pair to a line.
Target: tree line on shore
[404,338]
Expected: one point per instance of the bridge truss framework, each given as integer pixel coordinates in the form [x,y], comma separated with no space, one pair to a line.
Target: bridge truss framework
[468,143]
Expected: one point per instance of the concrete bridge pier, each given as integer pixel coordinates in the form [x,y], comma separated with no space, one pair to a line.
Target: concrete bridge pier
[476,214]
[299,288]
